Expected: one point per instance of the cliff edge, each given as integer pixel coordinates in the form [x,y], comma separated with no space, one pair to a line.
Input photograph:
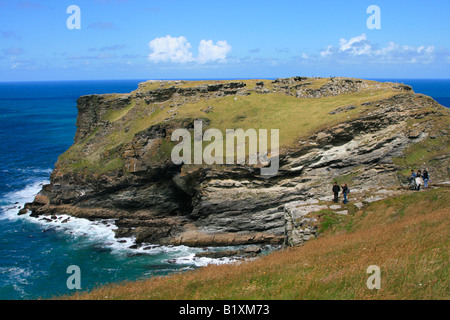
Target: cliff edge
[364,133]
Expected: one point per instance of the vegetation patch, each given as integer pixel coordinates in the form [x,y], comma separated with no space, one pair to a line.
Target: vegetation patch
[428,153]
[114,115]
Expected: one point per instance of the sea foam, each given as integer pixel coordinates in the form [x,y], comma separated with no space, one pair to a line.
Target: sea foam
[100,233]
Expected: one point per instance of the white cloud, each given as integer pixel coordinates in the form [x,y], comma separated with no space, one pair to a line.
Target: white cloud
[170,49]
[178,50]
[327,51]
[345,45]
[391,47]
[208,51]
[359,46]
[396,53]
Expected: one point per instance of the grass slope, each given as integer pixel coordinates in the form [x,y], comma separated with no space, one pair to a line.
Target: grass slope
[295,118]
[406,236]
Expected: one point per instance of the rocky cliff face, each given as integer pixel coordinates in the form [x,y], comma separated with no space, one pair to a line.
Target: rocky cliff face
[135,183]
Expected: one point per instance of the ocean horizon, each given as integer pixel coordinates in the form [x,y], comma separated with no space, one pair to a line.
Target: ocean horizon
[37,124]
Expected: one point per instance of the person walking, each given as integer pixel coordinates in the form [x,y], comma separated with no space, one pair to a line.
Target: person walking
[426,178]
[413,179]
[345,191]
[336,190]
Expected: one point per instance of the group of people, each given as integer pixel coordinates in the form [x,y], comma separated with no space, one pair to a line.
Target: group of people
[337,189]
[419,179]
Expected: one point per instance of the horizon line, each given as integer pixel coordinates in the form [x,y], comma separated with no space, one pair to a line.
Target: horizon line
[213,79]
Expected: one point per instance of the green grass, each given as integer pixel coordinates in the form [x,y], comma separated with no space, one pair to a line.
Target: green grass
[111,165]
[349,177]
[295,118]
[423,152]
[114,115]
[163,152]
[422,155]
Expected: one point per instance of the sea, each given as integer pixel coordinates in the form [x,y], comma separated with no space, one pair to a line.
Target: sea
[37,124]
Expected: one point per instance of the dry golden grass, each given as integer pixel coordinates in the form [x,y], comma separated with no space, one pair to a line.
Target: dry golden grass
[295,118]
[407,237]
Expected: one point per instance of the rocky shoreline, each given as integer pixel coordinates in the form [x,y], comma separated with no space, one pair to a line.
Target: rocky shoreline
[158,202]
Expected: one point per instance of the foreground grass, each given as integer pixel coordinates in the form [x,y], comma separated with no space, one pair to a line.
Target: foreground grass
[407,237]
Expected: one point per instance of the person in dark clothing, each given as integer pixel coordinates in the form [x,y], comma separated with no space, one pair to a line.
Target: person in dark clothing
[426,178]
[336,190]
[413,179]
[345,191]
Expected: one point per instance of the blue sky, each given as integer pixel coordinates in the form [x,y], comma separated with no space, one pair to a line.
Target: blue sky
[181,39]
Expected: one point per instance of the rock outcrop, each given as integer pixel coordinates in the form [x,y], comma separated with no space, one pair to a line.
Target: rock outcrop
[155,201]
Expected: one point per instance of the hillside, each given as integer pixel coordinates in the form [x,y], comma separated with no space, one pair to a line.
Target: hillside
[365,133]
[405,236]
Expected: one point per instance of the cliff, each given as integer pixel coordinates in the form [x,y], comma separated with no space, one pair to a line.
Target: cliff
[364,133]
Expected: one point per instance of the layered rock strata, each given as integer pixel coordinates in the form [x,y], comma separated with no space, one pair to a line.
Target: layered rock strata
[163,203]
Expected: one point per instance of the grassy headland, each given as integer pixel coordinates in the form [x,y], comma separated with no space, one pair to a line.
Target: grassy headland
[296,118]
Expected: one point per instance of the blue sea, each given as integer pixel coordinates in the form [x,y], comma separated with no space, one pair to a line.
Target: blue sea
[438,89]
[37,124]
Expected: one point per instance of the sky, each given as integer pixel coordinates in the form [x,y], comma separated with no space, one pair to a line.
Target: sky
[196,39]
